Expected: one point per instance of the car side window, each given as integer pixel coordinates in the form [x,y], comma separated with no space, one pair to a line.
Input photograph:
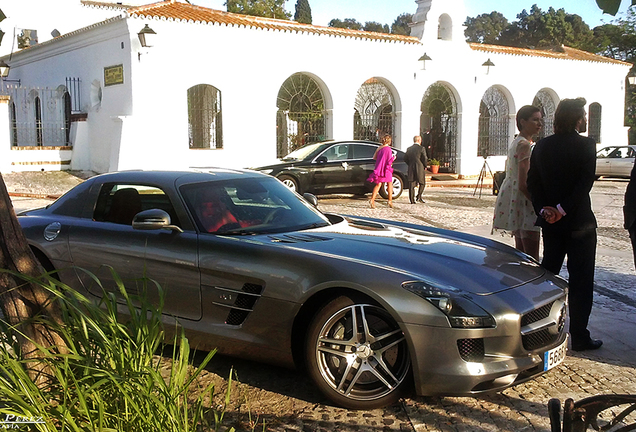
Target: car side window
[616,153]
[119,203]
[605,152]
[631,153]
[363,151]
[337,152]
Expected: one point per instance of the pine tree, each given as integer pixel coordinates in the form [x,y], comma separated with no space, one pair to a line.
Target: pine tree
[303,12]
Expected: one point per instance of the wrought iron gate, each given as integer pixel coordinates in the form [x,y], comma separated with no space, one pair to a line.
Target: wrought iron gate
[301,118]
[438,124]
[494,124]
[546,104]
[373,117]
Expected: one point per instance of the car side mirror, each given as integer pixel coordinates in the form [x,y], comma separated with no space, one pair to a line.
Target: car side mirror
[311,199]
[153,219]
[322,159]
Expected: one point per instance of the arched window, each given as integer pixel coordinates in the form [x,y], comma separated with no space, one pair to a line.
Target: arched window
[445,28]
[438,126]
[301,118]
[373,111]
[14,124]
[493,124]
[594,122]
[205,129]
[39,132]
[544,101]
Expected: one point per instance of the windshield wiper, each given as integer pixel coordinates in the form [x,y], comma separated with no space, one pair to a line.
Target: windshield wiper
[237,231]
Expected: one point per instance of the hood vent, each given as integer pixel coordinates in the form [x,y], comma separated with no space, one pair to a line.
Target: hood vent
[297,238]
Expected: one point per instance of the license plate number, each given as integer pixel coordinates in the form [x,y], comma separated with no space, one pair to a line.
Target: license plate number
[555,356]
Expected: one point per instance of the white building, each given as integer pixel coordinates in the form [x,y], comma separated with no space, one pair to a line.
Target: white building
[221,89]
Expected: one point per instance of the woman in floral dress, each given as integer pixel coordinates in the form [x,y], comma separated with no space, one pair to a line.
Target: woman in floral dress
[514,213]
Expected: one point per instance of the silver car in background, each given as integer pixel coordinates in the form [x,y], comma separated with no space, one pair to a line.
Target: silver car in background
[615,161]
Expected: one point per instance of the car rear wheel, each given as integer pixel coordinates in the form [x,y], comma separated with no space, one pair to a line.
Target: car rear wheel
[357,354]
[290,182]
[398,187]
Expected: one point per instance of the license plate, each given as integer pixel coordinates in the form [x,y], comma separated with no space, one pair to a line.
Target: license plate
[555,356]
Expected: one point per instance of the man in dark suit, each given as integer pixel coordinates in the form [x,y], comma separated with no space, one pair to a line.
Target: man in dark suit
[629,210]
[561,176]
[416,160]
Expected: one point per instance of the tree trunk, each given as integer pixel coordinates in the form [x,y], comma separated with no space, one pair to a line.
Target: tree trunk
[20,300]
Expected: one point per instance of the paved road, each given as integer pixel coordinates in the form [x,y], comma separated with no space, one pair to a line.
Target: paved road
[286,400]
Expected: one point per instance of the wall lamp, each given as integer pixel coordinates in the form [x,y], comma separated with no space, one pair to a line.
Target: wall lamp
[488,63]
[631,80]
[423,60]
[146,36]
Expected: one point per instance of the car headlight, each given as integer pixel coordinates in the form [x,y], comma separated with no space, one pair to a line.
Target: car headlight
[267,171]
[461,312]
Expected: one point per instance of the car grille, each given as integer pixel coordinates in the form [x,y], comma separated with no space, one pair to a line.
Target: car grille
[543,326]
[244,304]
[471,350]
[536,315]
[538,339]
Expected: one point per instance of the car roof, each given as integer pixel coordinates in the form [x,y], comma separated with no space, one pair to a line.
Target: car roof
[194,175]
[377,144]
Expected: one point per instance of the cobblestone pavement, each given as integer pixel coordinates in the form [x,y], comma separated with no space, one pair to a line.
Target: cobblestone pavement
[274,399]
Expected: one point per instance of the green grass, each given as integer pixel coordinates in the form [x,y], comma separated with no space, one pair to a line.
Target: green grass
[109,378]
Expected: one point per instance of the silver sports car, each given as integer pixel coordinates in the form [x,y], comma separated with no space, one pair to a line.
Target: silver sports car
[370,308]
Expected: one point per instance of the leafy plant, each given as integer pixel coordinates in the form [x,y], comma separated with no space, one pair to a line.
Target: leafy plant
[433,162]
[109,378]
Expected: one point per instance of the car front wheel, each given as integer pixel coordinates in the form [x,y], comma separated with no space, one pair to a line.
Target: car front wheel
[290,182]
[357,354]
[398,187]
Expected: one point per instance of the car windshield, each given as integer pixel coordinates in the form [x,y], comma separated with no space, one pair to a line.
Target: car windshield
[247,206]
[303,152]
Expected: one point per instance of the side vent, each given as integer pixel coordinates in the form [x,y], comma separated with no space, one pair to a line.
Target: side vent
[244,304]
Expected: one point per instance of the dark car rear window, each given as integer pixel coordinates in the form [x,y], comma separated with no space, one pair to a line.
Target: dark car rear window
[363,151]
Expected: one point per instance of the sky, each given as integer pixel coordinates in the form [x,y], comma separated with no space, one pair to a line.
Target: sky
[385,11]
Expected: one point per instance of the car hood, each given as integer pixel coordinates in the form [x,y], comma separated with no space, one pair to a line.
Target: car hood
[442,258]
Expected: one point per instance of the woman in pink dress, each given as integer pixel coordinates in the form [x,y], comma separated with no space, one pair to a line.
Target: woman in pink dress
[383,172]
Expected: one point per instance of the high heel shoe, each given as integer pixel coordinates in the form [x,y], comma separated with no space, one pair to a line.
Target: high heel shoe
[372,203]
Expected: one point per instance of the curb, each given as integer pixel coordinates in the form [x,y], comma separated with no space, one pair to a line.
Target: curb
[34,195]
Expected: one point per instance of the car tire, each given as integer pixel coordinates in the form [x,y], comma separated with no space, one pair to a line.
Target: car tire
[290,182]
[398,187]
[362,367]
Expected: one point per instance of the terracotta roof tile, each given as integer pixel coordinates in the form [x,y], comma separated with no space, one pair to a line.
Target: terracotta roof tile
[563,53]
[171,9]
[106,5]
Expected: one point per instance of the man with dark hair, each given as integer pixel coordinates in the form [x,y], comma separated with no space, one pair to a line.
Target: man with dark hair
[561,176]
[416,160]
